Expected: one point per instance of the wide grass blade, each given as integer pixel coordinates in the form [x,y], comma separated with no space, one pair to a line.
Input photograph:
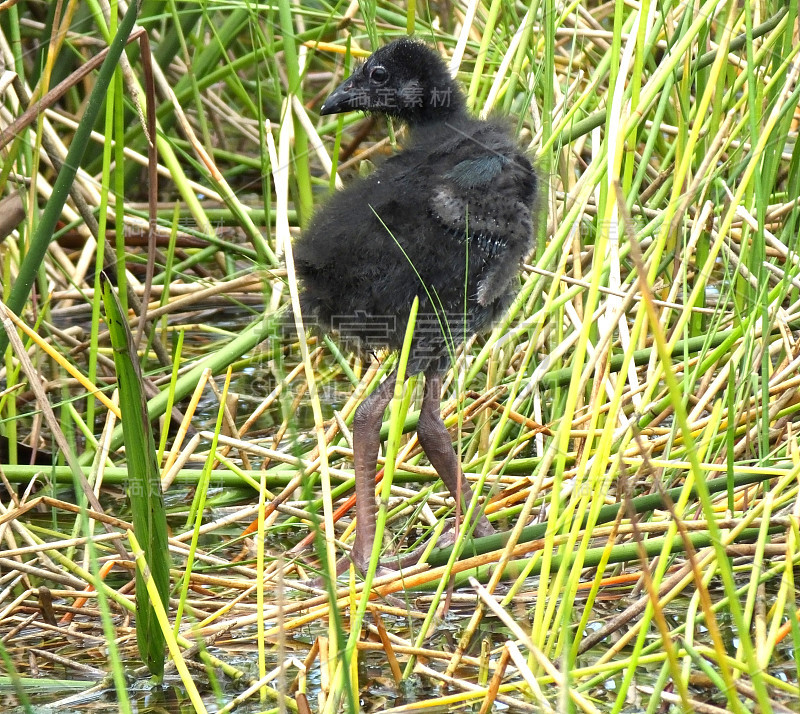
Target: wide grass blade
[144,485]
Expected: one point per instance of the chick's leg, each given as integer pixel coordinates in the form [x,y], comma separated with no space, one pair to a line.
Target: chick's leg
[435,440]
[366,442]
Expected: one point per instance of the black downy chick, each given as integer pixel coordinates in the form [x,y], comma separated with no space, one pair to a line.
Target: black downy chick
[447,219]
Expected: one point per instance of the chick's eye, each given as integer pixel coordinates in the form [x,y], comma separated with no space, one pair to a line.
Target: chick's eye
[378,74]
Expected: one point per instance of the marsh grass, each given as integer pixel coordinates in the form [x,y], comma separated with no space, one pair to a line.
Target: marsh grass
[631,420]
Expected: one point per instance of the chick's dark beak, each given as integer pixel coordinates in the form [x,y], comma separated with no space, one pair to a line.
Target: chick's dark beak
[345,98]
